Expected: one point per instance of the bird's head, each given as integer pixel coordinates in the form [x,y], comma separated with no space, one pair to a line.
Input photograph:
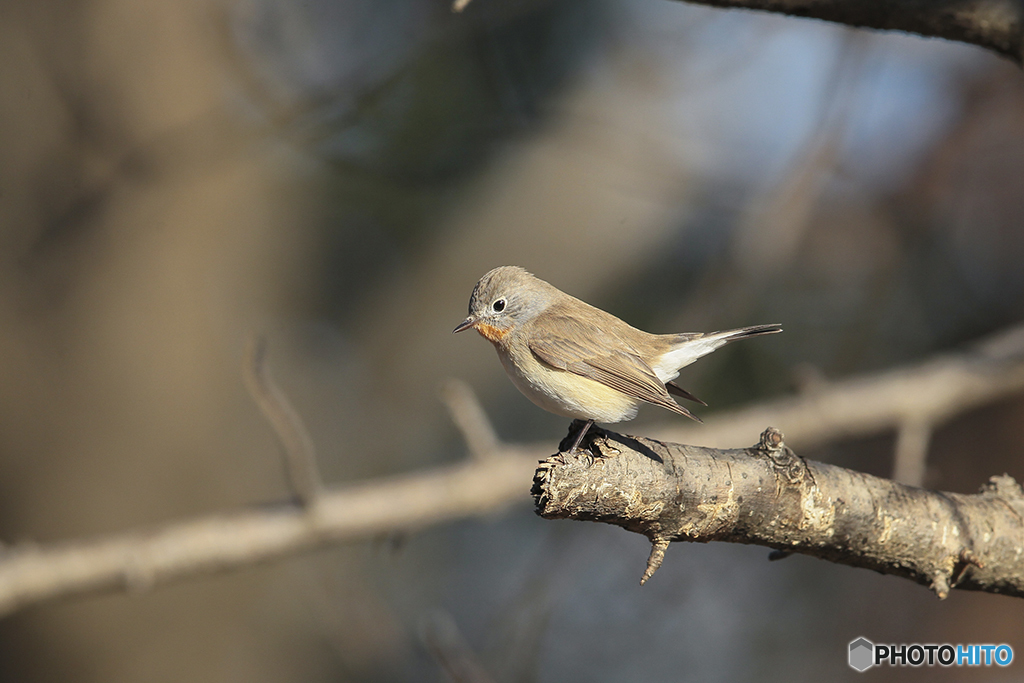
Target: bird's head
[504,298]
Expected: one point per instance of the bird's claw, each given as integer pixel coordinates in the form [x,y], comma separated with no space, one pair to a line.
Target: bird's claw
[585,455]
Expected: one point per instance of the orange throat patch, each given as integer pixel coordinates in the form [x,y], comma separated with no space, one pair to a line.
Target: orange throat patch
[491,333]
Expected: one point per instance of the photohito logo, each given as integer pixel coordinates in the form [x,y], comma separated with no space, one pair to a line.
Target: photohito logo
[864,654]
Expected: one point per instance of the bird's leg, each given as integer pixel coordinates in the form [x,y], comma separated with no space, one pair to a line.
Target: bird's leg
[579,437]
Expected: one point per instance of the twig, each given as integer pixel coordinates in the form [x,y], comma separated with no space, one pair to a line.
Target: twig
[937,389]
[768,496]
[912,441]
[775,223]
[299,451]
[994,24]
[447,645]
[470,418]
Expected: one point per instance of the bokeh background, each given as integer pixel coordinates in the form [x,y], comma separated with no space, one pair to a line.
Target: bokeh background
[337,174]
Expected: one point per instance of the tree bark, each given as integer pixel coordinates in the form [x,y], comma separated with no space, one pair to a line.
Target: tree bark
[767,495]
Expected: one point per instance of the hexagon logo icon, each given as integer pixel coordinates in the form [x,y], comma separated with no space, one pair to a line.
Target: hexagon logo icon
[862,654]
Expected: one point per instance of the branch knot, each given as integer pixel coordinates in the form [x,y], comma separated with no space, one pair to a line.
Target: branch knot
[785,462]
[1003,485]
[771,440]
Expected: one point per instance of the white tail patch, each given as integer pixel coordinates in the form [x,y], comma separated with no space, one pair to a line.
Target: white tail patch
[668,366]
[671,362]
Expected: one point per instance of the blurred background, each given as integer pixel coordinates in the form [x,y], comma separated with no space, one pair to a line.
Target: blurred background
[337,174]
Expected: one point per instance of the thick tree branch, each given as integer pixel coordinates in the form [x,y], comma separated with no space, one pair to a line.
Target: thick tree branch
[933,391]
[768,496]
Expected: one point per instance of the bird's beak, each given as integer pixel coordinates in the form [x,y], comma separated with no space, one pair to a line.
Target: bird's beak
[465,325]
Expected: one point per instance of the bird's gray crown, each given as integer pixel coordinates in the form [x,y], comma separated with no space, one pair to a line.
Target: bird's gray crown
[524,295]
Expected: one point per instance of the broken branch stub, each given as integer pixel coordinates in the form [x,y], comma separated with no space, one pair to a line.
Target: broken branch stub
[767,495]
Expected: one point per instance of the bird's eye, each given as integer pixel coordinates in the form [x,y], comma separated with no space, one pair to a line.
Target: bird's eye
[498,305]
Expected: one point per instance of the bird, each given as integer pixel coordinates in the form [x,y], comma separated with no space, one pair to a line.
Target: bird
[578,361]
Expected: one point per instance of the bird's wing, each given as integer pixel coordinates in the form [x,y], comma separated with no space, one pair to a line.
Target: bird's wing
[603,358]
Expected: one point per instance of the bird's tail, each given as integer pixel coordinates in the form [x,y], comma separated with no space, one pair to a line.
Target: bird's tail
[688,347]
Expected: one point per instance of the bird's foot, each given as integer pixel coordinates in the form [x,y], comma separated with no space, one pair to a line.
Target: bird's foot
[585,455]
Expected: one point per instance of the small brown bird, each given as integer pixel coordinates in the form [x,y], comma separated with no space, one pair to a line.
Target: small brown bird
[576,360]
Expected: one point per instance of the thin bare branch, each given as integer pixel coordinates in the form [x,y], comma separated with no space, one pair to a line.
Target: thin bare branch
[911,457]
[446,643]
[777,220]
[299,451]
[997,25]
[470,418]
[142,560]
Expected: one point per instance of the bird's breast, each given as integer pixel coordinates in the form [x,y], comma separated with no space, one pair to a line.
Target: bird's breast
[562,392]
